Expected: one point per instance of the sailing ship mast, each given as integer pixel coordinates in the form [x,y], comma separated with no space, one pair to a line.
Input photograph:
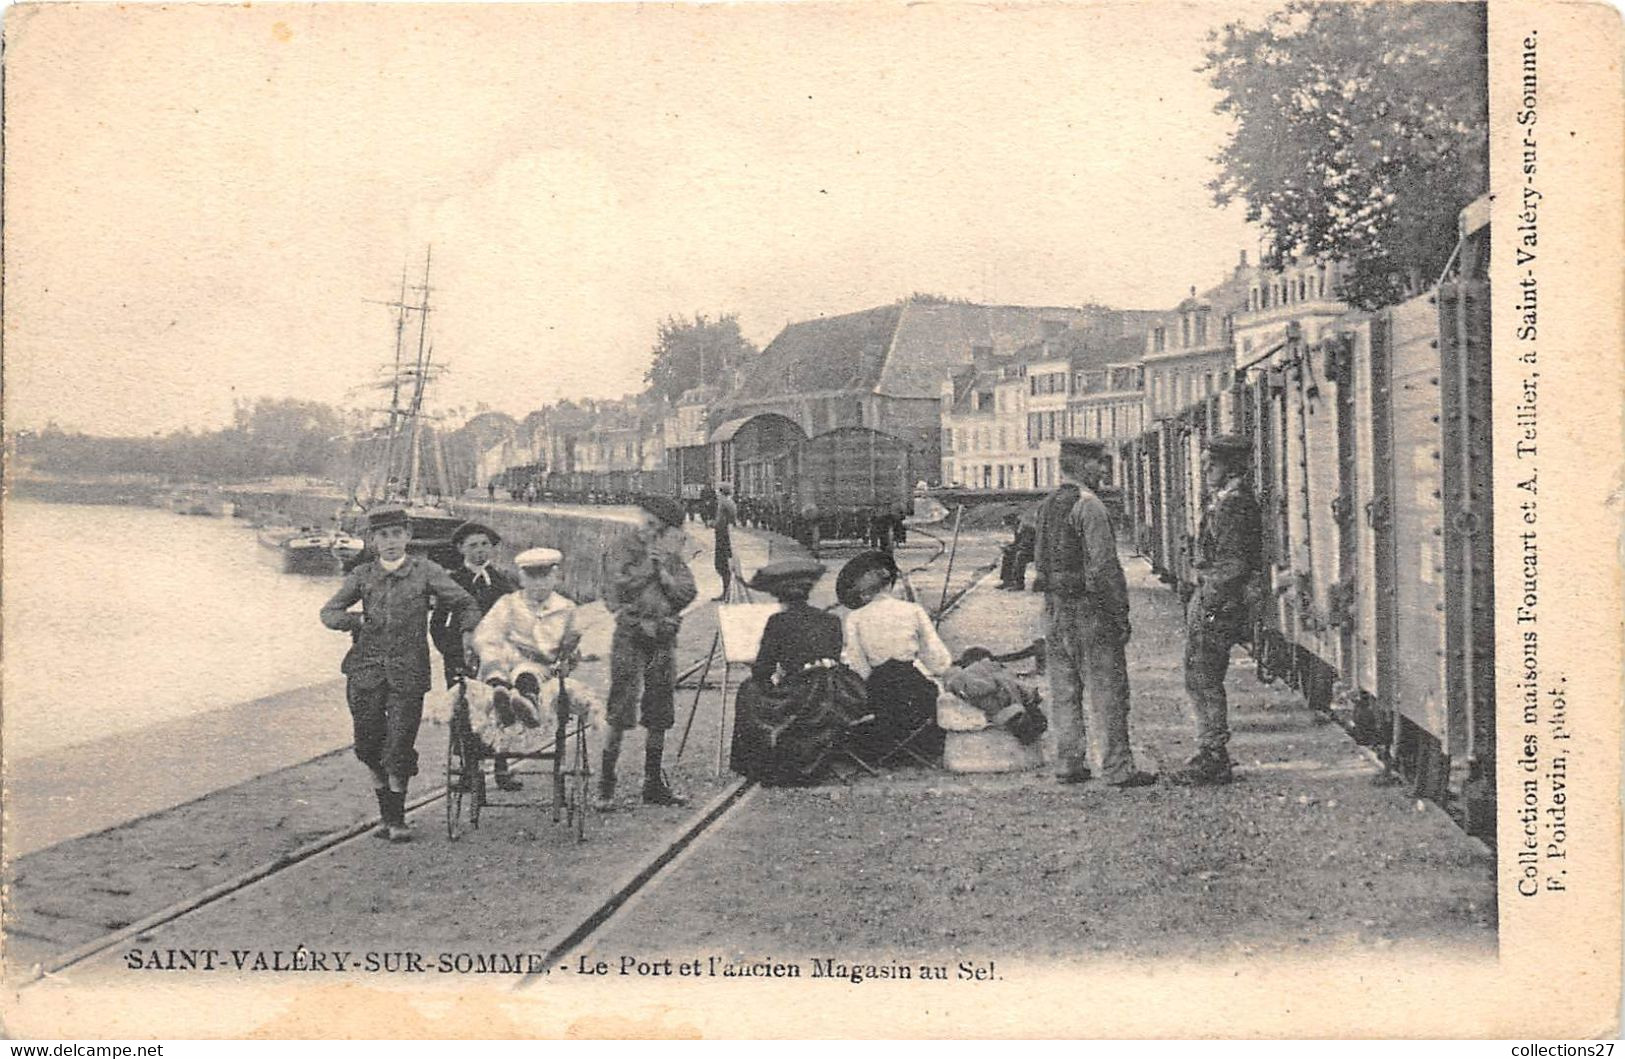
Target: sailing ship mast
[407,403]
[395,385]
[422,372]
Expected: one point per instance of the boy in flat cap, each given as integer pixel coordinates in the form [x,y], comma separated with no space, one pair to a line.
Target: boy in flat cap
[1086,624]
[480,577]
[388,663]
[649,584]
[1229,553]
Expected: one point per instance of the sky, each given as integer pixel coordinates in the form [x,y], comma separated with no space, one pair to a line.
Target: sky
[206,204]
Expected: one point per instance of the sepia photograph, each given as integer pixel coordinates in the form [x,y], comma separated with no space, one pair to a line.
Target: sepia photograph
[811,520]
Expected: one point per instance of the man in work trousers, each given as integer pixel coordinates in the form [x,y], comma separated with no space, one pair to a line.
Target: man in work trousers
[727,514]
[1229,553]
[1086,622]
[388,663]
[648,585]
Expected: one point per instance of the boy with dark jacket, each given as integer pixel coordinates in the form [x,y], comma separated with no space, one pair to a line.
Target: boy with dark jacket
[388,663]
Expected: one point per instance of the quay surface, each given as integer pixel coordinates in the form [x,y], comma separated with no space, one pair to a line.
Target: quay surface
[1310,859]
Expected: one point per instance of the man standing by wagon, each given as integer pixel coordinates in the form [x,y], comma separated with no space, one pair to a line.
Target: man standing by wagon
[648,585]
[1229,553]
[727,515]
[1086,624]
[388,663]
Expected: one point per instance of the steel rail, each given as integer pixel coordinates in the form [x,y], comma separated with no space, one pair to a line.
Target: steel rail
[648,872]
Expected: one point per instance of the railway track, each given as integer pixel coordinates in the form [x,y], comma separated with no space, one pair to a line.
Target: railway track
[647,872]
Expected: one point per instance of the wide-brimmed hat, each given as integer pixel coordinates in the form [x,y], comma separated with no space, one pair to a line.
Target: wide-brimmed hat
[538,559]
[664,508]
[846,582]
[786,574]
[468,529]
[389,515]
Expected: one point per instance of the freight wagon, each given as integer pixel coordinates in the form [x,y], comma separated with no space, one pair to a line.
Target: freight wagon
[1371,461]
[852,483]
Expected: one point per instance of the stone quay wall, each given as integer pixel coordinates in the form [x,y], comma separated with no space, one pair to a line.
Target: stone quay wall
[586,536]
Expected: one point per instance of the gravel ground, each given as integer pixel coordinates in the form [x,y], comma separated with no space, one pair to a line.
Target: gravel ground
[1309,854]
[1309,850]
[79,890]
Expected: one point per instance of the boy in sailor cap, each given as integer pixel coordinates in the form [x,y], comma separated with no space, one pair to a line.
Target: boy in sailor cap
[527,632]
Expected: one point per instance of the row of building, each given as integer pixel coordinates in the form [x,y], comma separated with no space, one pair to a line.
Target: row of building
[983,393]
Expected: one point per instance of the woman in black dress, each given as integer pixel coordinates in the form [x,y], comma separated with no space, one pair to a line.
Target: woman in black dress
[800,701]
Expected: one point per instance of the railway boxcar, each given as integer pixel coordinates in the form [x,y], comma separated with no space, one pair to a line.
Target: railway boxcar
[690,470]
[851,483]
[1371,463]
[755,455]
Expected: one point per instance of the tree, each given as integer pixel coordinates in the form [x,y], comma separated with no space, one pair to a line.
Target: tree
[1361,132]
[689,353]
[290,436]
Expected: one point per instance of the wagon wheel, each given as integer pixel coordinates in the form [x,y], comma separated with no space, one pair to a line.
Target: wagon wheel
[456,769]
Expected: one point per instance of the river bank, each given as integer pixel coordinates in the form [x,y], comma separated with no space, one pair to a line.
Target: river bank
[1308,861]
[99,835]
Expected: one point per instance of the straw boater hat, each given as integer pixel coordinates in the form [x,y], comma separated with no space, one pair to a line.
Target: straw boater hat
[538,560]
[468,529]
[846,582]
[786,574]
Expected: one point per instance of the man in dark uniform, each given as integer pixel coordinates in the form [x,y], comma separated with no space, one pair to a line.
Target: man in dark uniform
[1229,553]
[388,663]
[480,578]
[1086,622]
[727,515]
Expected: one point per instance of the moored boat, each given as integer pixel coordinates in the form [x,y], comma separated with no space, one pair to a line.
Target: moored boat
[308,550]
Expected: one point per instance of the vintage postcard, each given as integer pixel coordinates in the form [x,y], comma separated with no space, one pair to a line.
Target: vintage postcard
[812,520]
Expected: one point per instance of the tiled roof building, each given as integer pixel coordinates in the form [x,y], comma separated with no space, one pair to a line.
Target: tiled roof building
[885,367]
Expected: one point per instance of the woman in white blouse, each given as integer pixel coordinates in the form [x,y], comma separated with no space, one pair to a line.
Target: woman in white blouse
[894,646]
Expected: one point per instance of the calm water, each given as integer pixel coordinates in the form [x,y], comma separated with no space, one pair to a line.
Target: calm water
[119,617]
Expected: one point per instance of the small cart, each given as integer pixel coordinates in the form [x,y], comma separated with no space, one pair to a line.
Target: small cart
[561,764]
